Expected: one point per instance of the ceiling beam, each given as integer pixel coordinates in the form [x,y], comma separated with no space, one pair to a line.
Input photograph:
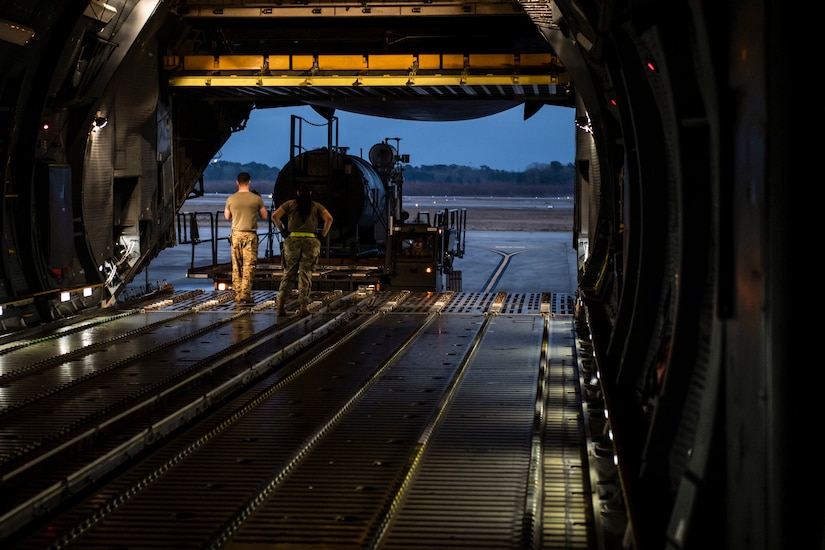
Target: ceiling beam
[337,81]
[331,8]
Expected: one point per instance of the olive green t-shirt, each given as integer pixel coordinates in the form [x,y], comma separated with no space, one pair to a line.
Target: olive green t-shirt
[294,222]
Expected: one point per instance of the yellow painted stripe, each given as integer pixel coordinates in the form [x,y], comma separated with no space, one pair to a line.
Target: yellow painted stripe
[357,63]
[366,80]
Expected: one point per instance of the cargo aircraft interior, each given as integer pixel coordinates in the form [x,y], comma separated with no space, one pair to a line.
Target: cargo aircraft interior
[693,132]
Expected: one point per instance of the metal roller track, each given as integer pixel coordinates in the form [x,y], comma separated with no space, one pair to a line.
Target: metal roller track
[438,420]
[84,399]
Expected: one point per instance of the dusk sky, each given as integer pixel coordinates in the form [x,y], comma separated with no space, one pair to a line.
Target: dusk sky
[504,141]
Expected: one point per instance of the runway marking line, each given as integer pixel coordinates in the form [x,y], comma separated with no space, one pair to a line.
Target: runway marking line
[505,259]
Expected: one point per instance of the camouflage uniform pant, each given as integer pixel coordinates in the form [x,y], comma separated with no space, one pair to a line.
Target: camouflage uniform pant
[300,256]
[244,261]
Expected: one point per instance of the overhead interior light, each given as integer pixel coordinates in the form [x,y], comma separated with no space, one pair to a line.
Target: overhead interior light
[14,33]
[100,122]
[583,123]
[100,11]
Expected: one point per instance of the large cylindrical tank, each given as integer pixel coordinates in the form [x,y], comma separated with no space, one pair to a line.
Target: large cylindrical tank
[348,186]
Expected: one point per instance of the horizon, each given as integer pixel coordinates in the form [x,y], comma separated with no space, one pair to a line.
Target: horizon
[215,161]
[547,136]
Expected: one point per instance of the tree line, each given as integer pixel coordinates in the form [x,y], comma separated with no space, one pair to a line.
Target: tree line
[537,179]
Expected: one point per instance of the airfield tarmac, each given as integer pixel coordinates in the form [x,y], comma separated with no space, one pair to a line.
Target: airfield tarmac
[526,240]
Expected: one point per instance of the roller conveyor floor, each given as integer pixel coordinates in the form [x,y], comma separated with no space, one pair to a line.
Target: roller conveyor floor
[382,420]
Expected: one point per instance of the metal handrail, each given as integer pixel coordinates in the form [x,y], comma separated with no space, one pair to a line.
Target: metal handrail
[188,232]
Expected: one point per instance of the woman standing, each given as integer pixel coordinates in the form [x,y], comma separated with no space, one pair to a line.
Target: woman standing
[301,245]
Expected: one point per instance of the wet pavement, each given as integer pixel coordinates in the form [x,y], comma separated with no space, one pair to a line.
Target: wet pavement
[494,261]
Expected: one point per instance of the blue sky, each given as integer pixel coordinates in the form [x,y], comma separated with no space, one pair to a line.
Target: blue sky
[504,141]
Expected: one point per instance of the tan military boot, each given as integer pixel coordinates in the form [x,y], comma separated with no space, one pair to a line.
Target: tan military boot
[304,310]
[281,310]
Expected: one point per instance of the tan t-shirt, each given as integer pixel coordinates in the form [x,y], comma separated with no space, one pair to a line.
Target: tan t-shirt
[244,207]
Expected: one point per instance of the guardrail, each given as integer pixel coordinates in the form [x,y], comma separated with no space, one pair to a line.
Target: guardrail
[188,229]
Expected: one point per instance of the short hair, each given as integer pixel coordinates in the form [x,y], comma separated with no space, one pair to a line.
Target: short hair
[243,178]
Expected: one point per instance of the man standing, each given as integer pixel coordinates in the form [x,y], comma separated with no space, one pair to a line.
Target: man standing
[243,208]
[301,246]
